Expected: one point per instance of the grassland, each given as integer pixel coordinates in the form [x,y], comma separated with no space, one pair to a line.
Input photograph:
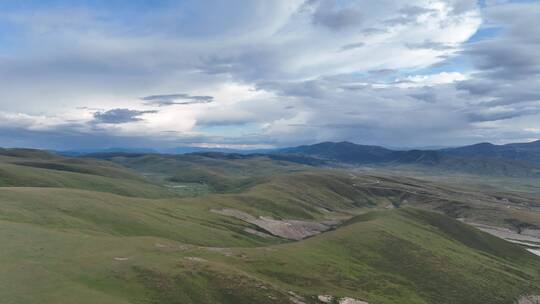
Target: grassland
[21,168]
[98,232]
[221,172]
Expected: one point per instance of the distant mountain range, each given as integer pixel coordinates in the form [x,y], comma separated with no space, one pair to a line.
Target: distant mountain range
[353,153]
[518,159]
[175,150]
[529,152]
[522,159]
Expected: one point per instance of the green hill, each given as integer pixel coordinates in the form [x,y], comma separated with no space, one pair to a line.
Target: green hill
[72,246]
[31,168]
[221,172]
[93,231]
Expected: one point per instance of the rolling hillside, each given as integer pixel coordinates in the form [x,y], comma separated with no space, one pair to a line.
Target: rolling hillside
[33,168]
[221,172]
[266,231]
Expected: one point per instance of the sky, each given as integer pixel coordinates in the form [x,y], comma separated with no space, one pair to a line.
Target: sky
[252,74]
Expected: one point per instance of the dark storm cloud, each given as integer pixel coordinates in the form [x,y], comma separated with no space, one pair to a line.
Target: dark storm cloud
[414,11]
[329,15]
[508,66]
[426,94]
[382,72]
[506,58]
[119,116]
[173,99]
[352,46]
[305,89]
[509,114]
[62,139]
[513,55]
[429,45]
[67,137]
[462,6]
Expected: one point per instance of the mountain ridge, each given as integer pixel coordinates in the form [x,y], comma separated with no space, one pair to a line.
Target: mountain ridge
[518,159]
[514,159]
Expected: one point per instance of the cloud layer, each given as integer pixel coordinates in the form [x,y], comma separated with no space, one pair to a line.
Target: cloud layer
[394,73]
[119,116]
[175,99]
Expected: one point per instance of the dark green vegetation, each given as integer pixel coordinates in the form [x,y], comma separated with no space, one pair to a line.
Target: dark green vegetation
[143,229]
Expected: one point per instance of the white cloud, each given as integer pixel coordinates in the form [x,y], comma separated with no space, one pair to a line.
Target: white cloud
[430,80]
[294,71]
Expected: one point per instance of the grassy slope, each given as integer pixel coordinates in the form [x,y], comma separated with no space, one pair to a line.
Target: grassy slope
[46,170]
[66,245]
[488,201]
[307,195]
[220,173]
[107,214]
[481,166]
[405,256]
